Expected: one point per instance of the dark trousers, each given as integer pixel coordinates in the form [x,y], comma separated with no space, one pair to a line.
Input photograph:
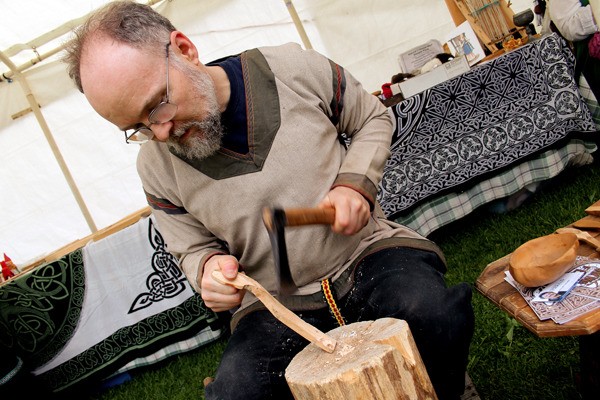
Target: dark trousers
[398,282]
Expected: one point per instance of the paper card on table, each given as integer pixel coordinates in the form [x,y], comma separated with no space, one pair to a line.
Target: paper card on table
[589,285]
[570,307]
[574,304]
[416,57]
[558,290]
[586,305]
[525,291]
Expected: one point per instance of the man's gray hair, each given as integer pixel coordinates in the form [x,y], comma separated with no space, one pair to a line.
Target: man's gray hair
[134,24]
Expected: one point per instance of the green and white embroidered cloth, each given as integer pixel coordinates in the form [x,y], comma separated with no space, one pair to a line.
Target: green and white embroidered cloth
[113,305]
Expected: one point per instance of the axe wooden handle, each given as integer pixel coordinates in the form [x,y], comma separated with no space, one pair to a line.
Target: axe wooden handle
[309,216]
[297,324]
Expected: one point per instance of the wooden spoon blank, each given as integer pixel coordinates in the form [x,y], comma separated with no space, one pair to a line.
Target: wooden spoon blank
[301,327]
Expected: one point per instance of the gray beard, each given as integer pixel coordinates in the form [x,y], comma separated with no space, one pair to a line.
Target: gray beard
[204,141]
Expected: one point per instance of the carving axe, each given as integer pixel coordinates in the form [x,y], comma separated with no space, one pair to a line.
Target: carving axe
[276,219]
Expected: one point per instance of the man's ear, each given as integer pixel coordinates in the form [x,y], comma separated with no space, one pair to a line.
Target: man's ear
[182,44]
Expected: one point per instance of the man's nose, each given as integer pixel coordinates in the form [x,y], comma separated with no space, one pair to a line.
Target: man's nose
[162,131]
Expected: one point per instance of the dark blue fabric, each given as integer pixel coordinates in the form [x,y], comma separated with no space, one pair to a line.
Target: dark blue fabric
[234,118]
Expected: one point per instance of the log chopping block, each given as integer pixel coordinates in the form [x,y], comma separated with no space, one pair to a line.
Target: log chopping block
[373,360]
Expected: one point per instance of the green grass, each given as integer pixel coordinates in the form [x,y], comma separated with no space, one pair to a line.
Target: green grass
[506,360]
[176,379]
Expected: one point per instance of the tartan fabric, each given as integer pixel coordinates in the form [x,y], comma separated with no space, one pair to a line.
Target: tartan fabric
[590,100]
[475,125]
[204,337]
[440,211]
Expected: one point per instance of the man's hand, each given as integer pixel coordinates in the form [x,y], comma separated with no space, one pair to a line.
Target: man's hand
[352,210]
[217,296]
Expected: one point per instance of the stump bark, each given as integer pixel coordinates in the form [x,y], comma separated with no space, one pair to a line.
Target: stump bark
[375,360]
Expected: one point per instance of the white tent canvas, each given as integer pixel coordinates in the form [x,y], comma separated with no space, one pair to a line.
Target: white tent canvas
[62,182]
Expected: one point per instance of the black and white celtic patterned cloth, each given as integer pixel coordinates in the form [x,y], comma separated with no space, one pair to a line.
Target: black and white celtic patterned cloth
[482,121]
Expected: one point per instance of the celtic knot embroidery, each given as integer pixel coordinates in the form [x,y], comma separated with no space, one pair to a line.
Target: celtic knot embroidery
[40,310]
[166,281]
[459,131]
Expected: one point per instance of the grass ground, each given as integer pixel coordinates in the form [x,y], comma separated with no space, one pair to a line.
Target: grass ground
[506,360]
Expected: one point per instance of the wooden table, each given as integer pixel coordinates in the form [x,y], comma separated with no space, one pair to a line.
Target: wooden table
[492,285]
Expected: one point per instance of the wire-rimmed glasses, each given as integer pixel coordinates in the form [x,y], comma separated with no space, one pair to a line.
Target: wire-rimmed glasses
[163,112]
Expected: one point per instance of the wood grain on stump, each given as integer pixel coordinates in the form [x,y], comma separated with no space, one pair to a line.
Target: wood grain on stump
[372,360]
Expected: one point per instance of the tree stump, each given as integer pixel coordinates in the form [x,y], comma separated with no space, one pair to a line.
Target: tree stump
[372,360]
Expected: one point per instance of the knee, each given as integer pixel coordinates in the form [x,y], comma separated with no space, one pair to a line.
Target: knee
[446,319]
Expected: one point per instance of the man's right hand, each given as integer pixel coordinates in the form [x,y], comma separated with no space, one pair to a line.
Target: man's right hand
[217,296]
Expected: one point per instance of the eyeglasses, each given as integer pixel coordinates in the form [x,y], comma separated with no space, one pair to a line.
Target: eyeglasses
[162,113]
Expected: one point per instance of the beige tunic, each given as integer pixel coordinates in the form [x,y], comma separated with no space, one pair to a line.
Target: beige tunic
[298,103]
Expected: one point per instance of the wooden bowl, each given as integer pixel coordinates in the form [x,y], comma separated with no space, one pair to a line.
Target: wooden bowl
[543,260]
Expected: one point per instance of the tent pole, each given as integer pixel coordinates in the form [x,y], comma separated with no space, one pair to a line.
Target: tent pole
[43,39]
[9,74]
[298,23]
[59,158]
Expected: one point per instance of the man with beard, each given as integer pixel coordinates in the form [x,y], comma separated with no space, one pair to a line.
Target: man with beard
[270,126]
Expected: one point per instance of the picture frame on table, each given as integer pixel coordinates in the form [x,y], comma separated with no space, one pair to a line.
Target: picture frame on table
[463,41]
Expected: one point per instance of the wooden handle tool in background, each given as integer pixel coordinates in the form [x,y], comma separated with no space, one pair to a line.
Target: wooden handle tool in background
[301,327]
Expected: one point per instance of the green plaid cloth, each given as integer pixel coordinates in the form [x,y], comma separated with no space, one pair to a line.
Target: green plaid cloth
[204,337]
[590,100]
[431,215]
